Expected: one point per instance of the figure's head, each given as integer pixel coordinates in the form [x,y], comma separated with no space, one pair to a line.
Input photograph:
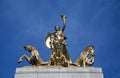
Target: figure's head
[29,48]
[57,28]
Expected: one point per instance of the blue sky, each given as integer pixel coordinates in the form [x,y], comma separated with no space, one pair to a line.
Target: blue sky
[95,22]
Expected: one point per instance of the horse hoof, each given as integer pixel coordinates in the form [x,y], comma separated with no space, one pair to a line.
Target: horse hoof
[20,60]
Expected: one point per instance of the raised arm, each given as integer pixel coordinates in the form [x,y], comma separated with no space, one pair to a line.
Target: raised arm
[64,22]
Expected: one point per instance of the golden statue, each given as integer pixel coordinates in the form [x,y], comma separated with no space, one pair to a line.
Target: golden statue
[56,41]
[86,57]
[34,59]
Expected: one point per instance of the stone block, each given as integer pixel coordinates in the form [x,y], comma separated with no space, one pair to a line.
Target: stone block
[58,72]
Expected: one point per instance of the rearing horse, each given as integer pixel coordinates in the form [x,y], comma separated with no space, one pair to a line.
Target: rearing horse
[34,59]
[84,57]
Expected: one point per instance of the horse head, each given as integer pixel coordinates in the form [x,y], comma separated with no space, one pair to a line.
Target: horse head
[29,48]
[90,50]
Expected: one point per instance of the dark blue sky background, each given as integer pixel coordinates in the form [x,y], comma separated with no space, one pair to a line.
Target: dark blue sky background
[95,22]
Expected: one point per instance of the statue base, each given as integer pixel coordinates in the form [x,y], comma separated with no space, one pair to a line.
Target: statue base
[58,72]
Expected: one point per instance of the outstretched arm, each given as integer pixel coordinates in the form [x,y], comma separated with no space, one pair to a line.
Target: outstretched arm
[64,22]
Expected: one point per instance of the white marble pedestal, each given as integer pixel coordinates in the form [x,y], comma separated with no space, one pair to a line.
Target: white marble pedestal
[58,72]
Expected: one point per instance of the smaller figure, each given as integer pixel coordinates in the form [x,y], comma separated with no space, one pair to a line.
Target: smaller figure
[35,59]
[86,57]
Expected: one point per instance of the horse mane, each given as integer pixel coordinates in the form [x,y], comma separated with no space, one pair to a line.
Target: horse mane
[87,48]
[33,48]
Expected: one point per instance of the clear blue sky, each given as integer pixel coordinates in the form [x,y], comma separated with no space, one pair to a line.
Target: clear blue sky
[95,22]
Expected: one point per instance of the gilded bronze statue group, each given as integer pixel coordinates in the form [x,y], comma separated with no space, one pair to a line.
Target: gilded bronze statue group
[56,42]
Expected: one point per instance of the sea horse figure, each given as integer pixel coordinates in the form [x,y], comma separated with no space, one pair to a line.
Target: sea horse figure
[34,59]
[84,58]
